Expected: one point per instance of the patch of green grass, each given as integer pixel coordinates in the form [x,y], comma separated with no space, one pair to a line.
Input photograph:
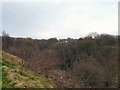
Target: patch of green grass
[7,63]
[6,82]
[15,76]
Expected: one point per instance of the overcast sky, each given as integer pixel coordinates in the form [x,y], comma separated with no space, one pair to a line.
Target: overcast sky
[60,19]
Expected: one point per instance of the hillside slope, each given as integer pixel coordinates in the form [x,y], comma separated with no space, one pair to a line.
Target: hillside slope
[14,76]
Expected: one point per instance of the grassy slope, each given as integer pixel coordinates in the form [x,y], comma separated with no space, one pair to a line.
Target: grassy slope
[14,76]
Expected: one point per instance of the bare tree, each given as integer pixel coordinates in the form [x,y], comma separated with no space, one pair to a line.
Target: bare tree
[88,71]
[5,34]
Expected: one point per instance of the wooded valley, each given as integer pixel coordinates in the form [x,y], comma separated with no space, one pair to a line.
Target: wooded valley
[89,62]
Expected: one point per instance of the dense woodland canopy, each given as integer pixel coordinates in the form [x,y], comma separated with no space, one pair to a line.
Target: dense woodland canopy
[86,62]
